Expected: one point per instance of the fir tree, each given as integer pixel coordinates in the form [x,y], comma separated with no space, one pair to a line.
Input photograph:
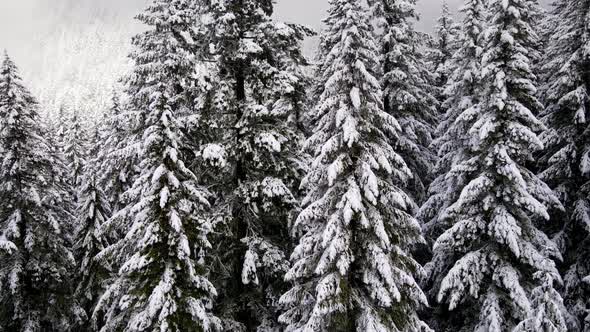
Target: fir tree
[59,125]
[259,94]
[566,160]
[548,309]
[407,90]
[60,178]
[35,263]
[446,42]
[75,149]
[93,210]
[352,270]
[493,246]
[118,154]
[462,93]
[162,282]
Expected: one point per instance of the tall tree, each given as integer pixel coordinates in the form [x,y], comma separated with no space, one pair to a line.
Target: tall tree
[445,44]
[92,212]
[118,154]
[548,309]
[75,150]
[493,244]
[407,90]
[566,160]
[260,89]
[162,282]
[352,270]
[463,92]
[59,123]
[35,263]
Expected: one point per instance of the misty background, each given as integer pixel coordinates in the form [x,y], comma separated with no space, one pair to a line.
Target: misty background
[71,52]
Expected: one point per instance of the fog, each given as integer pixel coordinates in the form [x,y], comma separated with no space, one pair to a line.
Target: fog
[73,51]
[26,25]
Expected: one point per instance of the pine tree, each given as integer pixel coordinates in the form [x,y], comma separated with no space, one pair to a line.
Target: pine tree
[462,93]
[493,245]
[162,282]
[407,90]
[445,45]
[61,178]
[118,155]
[59,125]
[93,210]
[35,264]
[75,146]
[566,160]
[352,270]
[259,94]
[548,309]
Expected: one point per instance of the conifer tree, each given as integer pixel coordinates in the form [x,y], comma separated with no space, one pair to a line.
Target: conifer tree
[407,90]
[35,263]
[566,161]
[463,92]
[259,94]
[75,146]
[117,155]
[59,125]
[445,45]
[60,178]
[548,309]
[92,212]
[162,282]
[352,270]
[493,247]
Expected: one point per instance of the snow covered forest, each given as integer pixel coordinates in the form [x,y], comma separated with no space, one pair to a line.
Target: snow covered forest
[225,181]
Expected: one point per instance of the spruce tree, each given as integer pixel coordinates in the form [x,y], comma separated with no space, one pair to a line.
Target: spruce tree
[75,150]
[92,212]
[162,283]
[61,178]
[59,124]
[446,42]
[407,90]
[566,161]
[35,262]
[493,247]
[463,92]
[548,309]
[352,270]
[259,93]
[118,153]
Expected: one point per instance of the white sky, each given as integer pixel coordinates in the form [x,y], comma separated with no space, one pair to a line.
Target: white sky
[60,44]
[24,24]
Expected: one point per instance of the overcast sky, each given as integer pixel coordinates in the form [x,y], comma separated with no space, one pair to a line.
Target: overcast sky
[73,51]
[24,24]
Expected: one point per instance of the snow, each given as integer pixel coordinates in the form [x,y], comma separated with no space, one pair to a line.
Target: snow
[274,187]
[183,169]
[269,140]
[215,154]
[585,163]
[164,195]
[249,268]
[159,306]
[7,246]
[335,169]
[507,38]
[355,98]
